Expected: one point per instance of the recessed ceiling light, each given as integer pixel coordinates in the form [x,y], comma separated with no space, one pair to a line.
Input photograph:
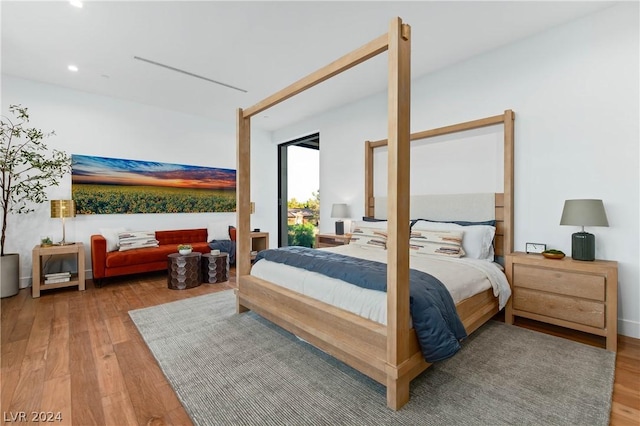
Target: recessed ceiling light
[72,68]
[76,3]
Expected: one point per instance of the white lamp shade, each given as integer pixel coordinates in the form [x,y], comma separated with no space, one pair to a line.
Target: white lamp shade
[584,213]
[340,211]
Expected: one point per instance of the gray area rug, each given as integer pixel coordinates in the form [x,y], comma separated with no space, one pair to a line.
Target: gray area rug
[230,369]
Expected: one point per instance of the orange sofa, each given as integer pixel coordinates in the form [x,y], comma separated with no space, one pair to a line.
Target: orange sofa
[111,264]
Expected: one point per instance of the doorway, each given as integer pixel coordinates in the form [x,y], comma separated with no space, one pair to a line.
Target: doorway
[298,178]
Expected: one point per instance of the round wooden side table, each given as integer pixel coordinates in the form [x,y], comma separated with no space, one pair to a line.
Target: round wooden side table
[215,268]
[184,271]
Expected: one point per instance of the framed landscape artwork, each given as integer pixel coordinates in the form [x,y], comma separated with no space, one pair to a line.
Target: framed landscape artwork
[101,185]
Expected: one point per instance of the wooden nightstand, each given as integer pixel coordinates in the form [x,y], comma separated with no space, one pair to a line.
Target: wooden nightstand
[332,240]
[580,295]
[259,242]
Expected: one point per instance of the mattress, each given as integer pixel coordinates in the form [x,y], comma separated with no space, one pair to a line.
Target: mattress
[463,278]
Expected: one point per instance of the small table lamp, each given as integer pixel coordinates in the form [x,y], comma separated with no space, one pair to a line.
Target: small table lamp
[340,211]
[61,209]
[583,213]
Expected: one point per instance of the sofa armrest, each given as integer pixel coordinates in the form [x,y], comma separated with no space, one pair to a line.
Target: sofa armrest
[98,256]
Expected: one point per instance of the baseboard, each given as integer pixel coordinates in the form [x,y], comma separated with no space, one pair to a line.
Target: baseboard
[629,328]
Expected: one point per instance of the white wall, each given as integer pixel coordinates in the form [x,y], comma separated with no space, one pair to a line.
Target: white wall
[575,92]
[97,125]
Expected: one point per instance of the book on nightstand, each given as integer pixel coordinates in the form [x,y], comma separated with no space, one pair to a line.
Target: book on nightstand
[57,277]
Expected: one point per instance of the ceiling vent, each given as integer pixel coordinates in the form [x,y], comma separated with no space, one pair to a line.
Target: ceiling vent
[188,73]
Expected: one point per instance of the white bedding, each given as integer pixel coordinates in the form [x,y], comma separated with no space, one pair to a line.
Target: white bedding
[462,277]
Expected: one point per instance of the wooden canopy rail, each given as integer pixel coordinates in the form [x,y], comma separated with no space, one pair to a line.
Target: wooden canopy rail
[504,201]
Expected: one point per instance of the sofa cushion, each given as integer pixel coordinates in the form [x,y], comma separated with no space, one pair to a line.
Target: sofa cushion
[184,236]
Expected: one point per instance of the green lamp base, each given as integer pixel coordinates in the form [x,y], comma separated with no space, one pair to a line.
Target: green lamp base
[583,246]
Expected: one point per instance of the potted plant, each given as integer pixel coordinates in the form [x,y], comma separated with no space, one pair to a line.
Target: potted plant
[184,248]
[27,168]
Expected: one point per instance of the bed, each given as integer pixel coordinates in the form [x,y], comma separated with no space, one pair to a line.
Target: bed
[389,353]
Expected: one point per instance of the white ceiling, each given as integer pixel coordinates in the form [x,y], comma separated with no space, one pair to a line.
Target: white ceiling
[258,46]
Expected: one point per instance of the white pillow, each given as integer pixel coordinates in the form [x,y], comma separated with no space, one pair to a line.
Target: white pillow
[440,243]
[477,241]
[111,235]
[365,224]
[218,231]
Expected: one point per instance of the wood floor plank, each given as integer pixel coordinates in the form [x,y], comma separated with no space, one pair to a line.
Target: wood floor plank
[86,408]
[56,399]
[146,403]
[27,395]
[13,354]
[118,409]
[9,378]
[41,327]
[57,364]
[23,322]
[117,330]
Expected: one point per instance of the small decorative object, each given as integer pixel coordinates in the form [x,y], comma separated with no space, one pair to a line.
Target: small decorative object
[215,252]
[535,247]
[45,242]
[553,254]
[184,249]
[340,211]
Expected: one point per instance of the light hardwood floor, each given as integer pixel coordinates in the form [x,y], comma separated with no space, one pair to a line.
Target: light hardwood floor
[80,355]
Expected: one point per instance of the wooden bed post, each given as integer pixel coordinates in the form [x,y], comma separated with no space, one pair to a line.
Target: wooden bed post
[243,200]
[509,131]
[368,179]
[398,318]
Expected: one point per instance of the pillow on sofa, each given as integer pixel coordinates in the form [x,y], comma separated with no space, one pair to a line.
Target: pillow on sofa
[111,235]
[217,231]
[137,239]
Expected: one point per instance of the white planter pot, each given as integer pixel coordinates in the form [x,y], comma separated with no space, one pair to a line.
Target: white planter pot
[9,274]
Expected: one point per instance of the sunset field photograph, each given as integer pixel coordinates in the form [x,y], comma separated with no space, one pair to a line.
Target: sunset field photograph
[103,185]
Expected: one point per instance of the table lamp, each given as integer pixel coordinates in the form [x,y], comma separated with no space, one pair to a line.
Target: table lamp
[340,211]
[583,213]
[61,209]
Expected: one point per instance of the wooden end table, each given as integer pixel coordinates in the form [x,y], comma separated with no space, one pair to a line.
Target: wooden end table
[183,271]
[38,283]
[215,268]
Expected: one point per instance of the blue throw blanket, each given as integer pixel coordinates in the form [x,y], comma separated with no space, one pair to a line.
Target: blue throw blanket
[433,311]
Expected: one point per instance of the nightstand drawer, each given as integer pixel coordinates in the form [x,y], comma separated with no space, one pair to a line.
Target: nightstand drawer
[560,282]
[577,310]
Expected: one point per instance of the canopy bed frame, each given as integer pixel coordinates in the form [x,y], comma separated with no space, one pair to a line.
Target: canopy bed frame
[389,354]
